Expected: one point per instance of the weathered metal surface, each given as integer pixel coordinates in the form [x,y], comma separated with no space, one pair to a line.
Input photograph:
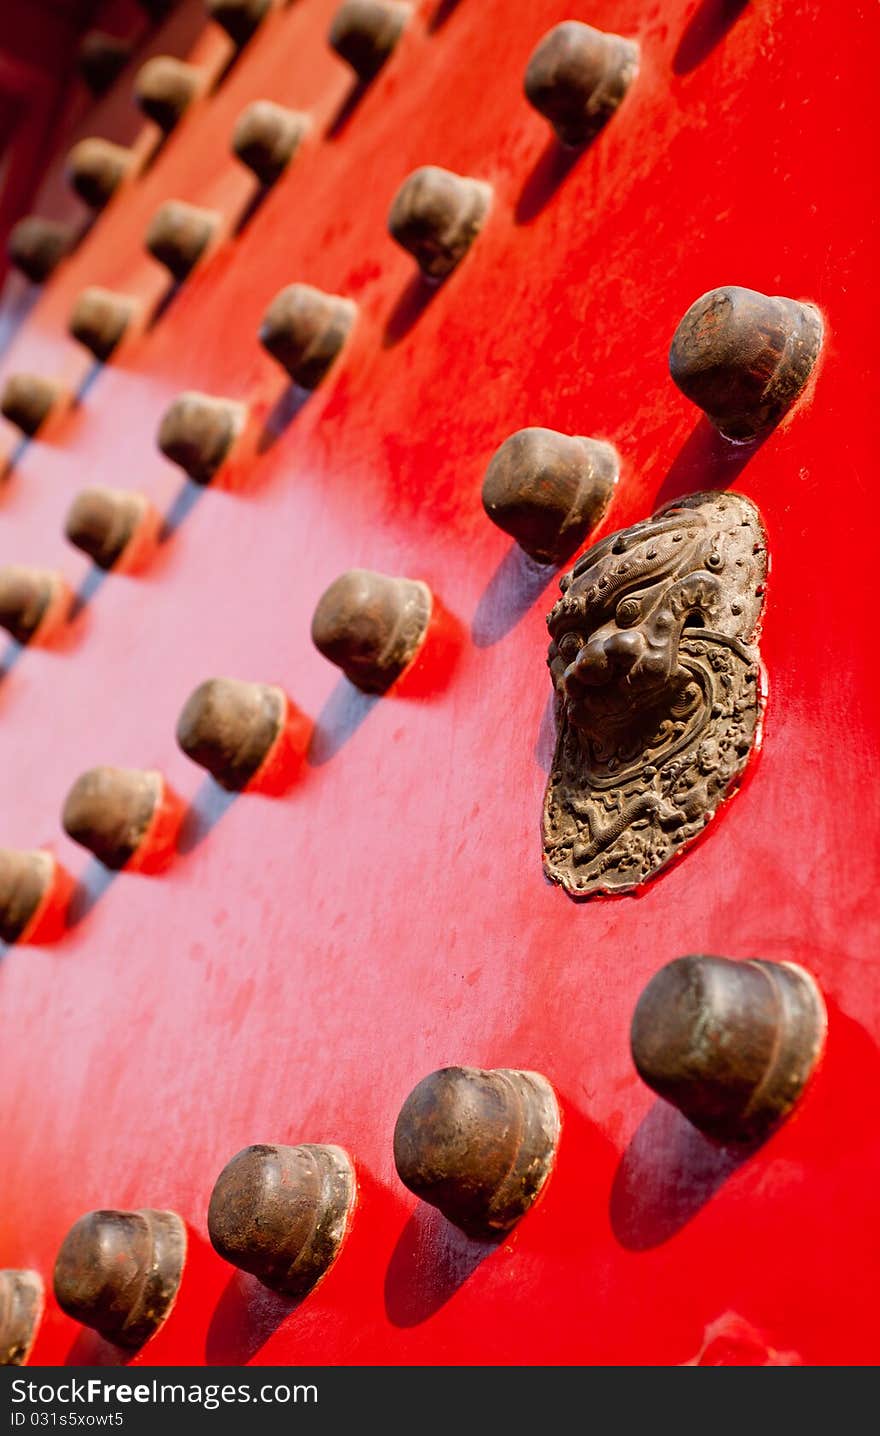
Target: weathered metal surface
[33,602]
[437,215]
[96,169]
[179,234]
[239,18]
[281,1213]
[198,431]
[37,245]
[659,691]
[27,400]
[21,1306]
[164,88]
[231,727]
[577,78]
[365,32]
[305,331]
[731,1044]
[478,1145]
[388,915]
[101,58]
[119,1272]
[26,880]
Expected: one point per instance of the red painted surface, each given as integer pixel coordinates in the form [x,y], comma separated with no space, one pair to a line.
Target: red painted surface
[307,958]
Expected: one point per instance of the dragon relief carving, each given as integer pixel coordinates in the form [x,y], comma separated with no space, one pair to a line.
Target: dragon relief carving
[659,690]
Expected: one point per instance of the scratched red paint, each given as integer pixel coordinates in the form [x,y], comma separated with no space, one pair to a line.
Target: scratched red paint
[307,958]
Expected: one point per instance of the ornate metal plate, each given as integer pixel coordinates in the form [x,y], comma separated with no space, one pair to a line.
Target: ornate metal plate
[659,690]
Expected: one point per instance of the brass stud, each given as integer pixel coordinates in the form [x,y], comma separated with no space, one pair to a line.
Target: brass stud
[96,169]
[27,401]
[479,1145]
[30,883]
[744,357]
[371,626]
[164,88]
[119,1272]
[34,602]
[281,1213]
[197,432]
[113,527]
[577,77]
[730,1044]
[549,490]
[305,329]
[266,137]
[239,18]
[365,32]
[231,728]
[36,246]
[99,319]
[179,234]
[436,215]
[116,812]
[21,1308]
[101,58]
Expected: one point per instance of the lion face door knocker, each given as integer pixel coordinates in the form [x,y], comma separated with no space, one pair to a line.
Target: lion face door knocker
[659,690]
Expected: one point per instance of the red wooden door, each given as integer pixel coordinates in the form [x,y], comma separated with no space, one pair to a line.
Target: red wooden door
[307,958]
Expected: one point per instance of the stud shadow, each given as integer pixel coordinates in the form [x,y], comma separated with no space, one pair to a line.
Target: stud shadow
[15,457]
[208,806]
[12,654]
[251,209]
[91,585]
[706,460]
[186,500]
[282,414]
[88,381]
[408,309]
[430,1263]
[90,1349]
[89,890]
[666,1176]
[704,31]
[16,309]
[516,584]
[339,719]
[245,1317]
[445,9]
[552,167]
[347,109]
